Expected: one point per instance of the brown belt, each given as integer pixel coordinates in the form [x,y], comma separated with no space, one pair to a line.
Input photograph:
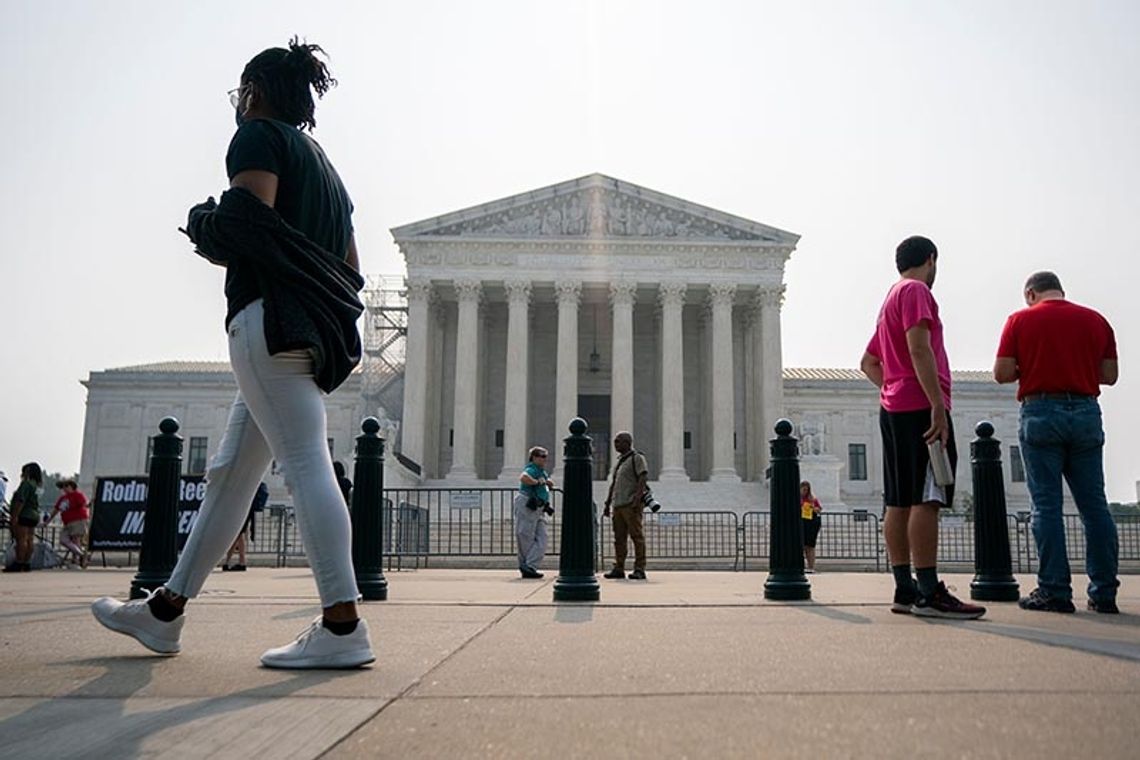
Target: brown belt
[1056,397]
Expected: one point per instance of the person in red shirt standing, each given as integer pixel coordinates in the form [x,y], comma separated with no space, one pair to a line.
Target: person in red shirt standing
[1060,354]
[72,508]
[906,359]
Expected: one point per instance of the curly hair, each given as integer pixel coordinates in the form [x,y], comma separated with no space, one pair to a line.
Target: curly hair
[283,77]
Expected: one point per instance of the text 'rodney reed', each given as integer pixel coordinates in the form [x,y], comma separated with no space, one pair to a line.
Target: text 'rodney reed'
[135,491]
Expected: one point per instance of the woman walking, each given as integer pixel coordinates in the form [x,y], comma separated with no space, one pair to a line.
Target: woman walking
[283,231]
[810,509]
[532,502]
[24,516]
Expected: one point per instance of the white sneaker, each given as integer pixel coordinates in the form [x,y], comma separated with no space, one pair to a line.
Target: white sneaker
[318,647]
[135,619]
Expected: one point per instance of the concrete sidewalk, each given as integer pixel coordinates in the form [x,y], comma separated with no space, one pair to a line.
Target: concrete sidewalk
[483,664]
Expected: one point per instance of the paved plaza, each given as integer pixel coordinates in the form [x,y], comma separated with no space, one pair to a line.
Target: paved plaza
[484,664]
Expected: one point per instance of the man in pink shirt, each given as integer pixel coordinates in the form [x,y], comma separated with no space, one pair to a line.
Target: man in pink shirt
[906,359]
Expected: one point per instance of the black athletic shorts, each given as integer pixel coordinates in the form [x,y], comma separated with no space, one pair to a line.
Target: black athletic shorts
[811,530]
[907,479]
[27,522]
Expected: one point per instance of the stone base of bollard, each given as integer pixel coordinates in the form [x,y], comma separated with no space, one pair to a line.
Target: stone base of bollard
[995,589]
[784,587]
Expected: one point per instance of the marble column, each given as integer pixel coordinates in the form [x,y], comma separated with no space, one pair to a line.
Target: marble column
[622,297]
[671,297]
[771,363]
[517,381]
[569,295]
[721,296]
[752,437]
[437,335]
[468,293]
[416,381]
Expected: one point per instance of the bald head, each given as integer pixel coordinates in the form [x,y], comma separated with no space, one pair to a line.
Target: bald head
[623,442]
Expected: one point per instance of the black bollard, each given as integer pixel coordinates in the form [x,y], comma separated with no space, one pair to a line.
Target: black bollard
[993,579]
[368,513]
[576,579]
[786,579]
[159,551]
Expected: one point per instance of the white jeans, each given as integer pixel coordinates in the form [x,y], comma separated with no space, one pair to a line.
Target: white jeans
[279,413]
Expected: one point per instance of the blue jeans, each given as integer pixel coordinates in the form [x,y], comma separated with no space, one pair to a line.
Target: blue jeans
[1065,438]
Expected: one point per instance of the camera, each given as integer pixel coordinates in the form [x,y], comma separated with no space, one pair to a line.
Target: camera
[547,509]
[649,501]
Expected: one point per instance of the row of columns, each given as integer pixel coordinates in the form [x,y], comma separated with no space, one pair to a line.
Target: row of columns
[764,392]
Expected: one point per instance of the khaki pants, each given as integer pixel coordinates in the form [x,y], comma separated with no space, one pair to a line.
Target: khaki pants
[629,522]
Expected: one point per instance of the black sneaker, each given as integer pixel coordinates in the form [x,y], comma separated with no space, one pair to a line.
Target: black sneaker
[943,604]
[530,572]
[637,575]
[1039,601]
[1104,606]
[615,574]
[904,600]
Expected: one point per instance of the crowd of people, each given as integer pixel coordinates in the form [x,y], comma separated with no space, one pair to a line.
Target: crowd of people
[283,232]
[26,515]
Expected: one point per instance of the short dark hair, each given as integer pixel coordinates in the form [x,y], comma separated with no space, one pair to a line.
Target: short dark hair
[1039,282]
[338,468]
[913,252]
[283,77]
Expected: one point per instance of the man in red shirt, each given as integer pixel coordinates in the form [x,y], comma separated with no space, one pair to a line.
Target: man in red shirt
[906,359]
[72,508]
[1060,354]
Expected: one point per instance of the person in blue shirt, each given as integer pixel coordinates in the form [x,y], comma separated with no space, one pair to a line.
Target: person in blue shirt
[532,502]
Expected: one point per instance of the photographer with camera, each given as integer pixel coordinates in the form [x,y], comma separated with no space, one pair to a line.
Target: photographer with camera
[531,503]
[627,497]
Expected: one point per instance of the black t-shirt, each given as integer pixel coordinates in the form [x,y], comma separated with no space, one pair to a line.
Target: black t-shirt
[310,196]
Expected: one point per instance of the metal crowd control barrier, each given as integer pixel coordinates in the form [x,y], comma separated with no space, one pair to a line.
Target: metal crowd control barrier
[424,523]
[679,536]
[842,535]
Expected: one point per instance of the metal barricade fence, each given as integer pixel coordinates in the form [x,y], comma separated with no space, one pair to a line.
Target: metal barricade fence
[1127,530]
[421,523]
[678,536]
[842,535]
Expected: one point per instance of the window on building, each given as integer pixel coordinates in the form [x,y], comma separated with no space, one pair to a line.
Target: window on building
[857,461]
[196,456]
[499,439]
[331,449]
[1016,466]
[688,440]
[149,453]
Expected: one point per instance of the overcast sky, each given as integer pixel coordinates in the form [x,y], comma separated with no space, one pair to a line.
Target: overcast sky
[1006,131]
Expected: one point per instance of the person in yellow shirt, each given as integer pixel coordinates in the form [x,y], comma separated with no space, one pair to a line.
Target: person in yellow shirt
[809,511]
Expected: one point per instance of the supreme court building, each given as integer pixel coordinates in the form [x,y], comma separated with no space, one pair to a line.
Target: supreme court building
[596,298]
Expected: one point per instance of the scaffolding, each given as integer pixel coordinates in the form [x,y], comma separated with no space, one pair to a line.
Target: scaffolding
[385,335]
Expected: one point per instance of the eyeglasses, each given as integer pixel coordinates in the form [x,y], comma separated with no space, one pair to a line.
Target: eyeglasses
[540,456]
[235,95]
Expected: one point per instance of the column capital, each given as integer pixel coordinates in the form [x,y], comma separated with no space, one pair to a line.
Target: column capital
[568,292]
[671,294]
[623,293]
[769,297]
[722,293]
[419,288]
[518,291]
[468,291]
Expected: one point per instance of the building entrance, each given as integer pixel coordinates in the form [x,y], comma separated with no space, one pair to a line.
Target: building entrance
[595,410]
